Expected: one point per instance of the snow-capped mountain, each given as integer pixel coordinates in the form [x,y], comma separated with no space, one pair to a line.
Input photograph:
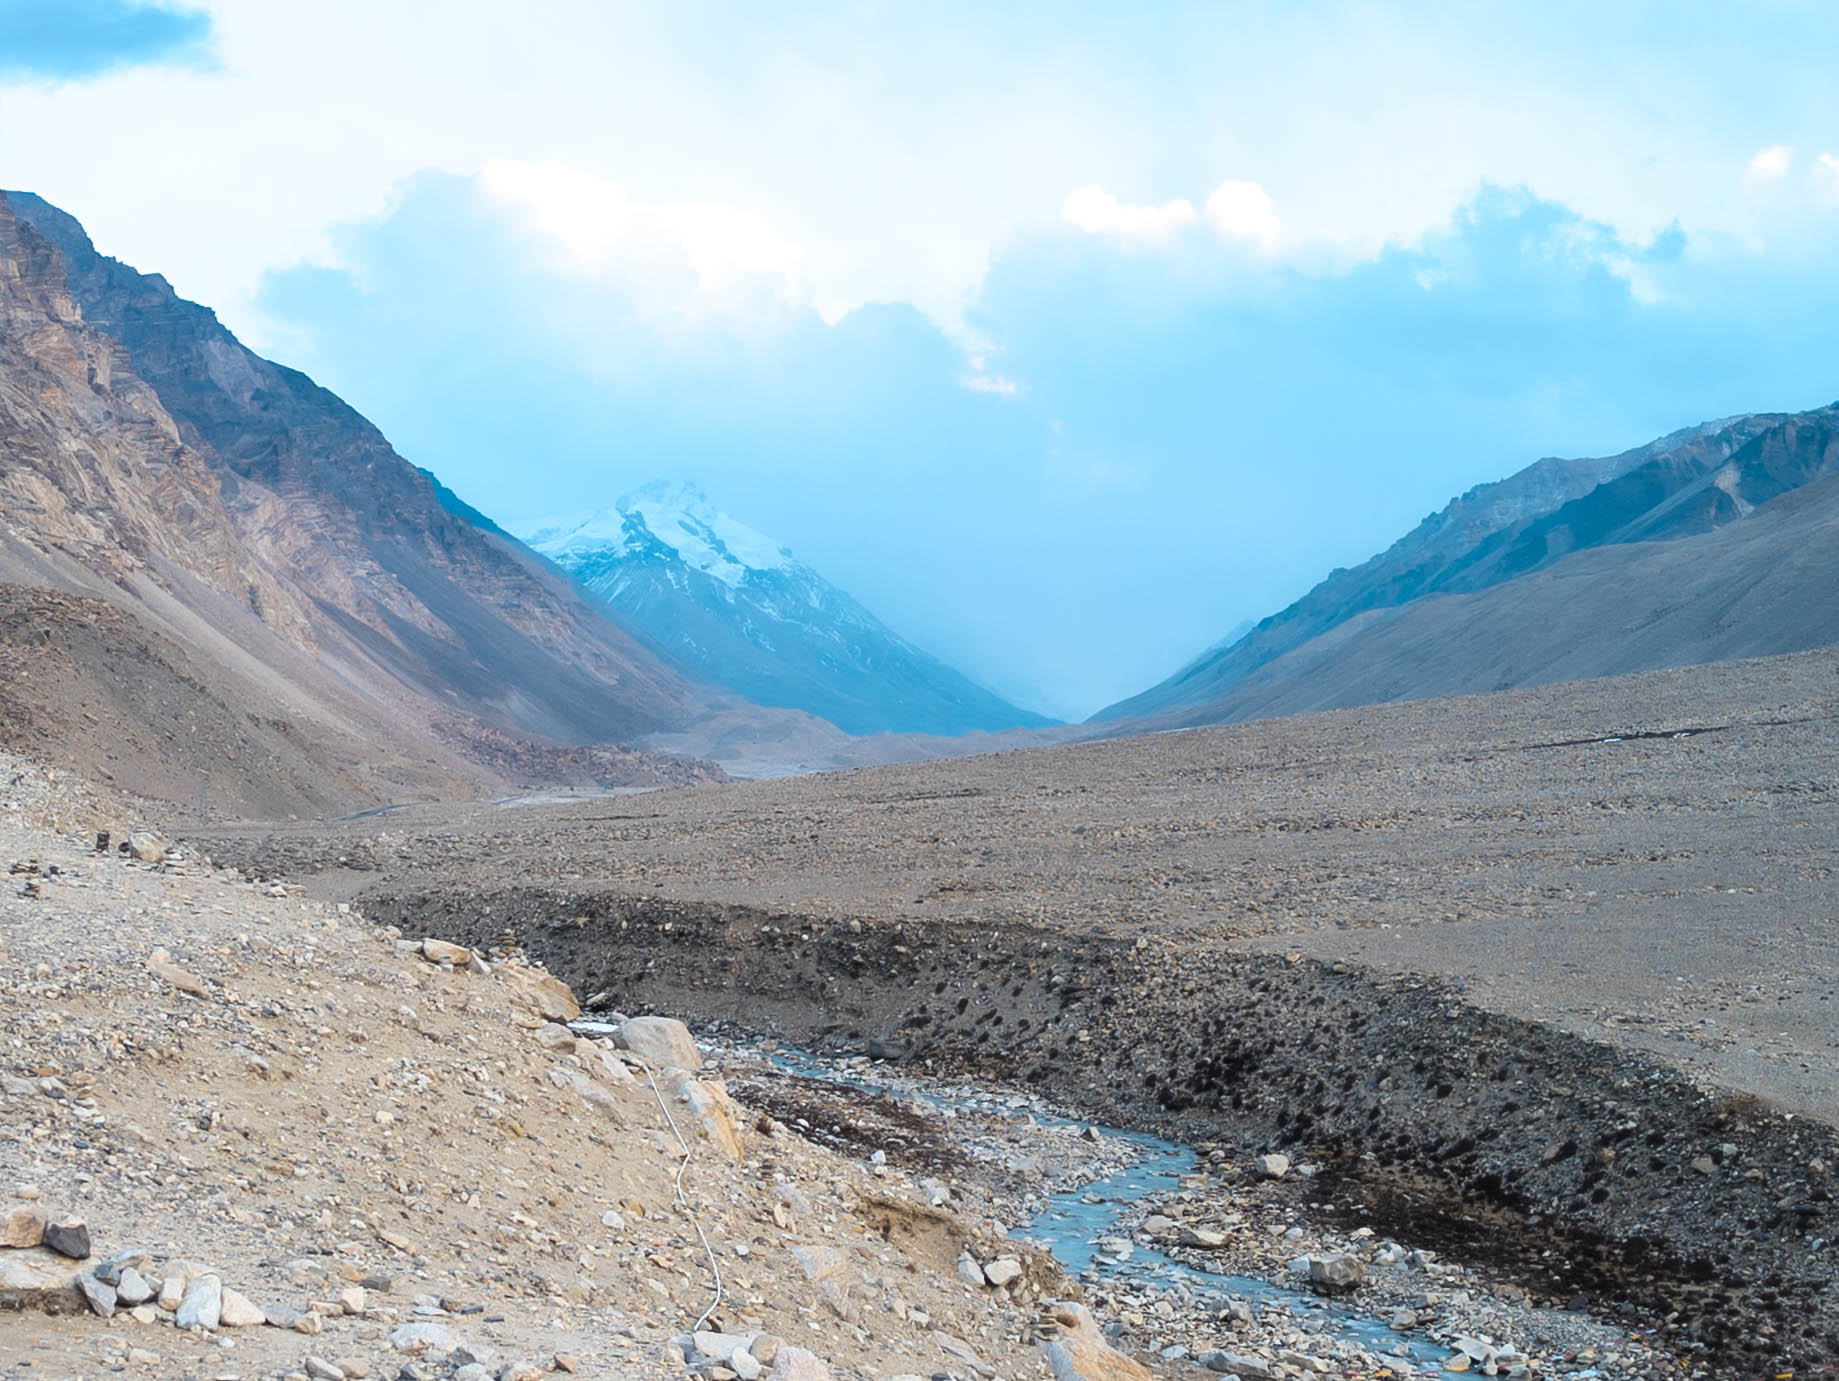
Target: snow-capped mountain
[734,605]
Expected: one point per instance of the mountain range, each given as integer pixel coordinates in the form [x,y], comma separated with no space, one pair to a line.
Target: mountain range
[739,610]
[1718,541]
[221,586]
[286,562]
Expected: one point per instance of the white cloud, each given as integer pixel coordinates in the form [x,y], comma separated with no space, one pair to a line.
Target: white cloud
[729,248]
[1097,212]
[1826,174]
[1243,211]
[1771,164]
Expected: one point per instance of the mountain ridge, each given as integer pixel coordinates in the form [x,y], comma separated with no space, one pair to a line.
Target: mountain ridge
[241,511]
[1683,486]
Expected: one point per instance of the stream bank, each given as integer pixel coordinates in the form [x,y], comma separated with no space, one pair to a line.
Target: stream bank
[1577,1174]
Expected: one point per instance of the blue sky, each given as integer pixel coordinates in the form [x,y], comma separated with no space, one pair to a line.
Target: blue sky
[1064,337]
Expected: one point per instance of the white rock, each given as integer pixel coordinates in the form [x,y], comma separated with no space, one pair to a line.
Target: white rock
[201,1307]
[239,1311]
[1002,1270]
[662,1042]
[1273,1166]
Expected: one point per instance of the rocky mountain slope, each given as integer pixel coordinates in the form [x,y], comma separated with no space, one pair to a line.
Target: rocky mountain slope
[739,609]
[1383,631]
[264,532]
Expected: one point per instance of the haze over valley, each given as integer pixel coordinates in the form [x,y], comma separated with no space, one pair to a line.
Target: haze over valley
[708,693]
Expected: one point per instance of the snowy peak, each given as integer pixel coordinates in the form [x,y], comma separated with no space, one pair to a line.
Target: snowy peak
[736,607]
[677,515]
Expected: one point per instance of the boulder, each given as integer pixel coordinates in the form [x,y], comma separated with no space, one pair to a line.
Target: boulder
[69,1238]
[1339,1274]
[445,952]
[39,1280]
[201,1307]
[661,1042]
[23,1226]
[711,1111]
[145,846]
[1078,1351]
[237,1310]
[1003,1271]
[795,1364]
[542,993]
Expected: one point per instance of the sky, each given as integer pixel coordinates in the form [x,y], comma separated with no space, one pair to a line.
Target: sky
[1066,337]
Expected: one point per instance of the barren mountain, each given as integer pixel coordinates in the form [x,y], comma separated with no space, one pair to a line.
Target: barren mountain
[262,530]
[1382,631]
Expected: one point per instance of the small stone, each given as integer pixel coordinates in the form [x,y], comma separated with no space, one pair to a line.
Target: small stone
[611,1219]
[1705,1165]
[321,1370]
[744,1365]
[172,1289]
[969,1271]
[1235,1364]
[552,1035]
[237,1310]
[131,1287]
[568,1362]
[352,1300]
[1002,1270]
[23,1226]
[355,1368]
[69,1238]
[140,1357]
[144,1313]
[202,1305]
[1201,1237]
[99,1297]
[1273,1166]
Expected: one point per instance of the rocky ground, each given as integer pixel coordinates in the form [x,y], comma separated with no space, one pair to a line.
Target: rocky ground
[1544,980]
[365,1162]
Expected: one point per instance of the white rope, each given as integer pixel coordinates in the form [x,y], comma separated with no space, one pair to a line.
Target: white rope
[683,1201]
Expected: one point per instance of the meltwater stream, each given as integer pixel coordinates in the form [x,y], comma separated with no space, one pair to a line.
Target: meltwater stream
[1075,1223]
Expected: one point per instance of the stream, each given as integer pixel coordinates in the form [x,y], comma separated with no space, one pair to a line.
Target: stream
[1083,1226]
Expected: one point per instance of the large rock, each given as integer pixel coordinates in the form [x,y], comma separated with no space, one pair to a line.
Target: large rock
[69,1238]
[795,1364]
[239,1311]
[542,994]
[39,1280]
[145,846]
[661,1042]
[711,1111]
[1339,1274]
[201,1308]
[1078,1351]
[23,1226]
[445,952]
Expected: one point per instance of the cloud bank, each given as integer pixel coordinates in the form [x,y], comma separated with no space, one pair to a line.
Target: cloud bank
[1161,429]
